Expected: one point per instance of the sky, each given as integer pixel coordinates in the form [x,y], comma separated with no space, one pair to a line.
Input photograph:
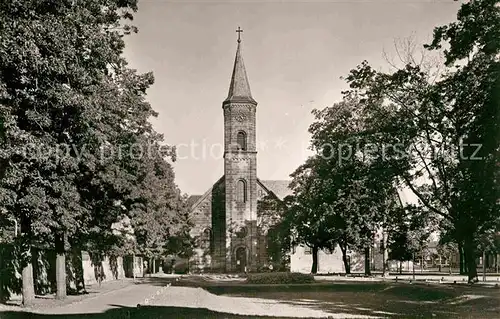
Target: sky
[295,54]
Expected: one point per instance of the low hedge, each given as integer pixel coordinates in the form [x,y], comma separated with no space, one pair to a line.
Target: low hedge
[280,278]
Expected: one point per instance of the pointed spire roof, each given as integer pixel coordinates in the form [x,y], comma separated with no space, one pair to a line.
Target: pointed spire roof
[239,89]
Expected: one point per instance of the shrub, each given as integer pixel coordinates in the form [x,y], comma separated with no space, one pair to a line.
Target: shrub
[280,278]
[181,267]
[277,267]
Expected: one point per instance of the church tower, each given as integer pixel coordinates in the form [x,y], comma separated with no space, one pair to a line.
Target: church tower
[228,236]
[240,170]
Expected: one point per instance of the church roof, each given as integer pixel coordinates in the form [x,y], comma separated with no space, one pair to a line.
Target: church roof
[239,88]
[193,199]
[280,188]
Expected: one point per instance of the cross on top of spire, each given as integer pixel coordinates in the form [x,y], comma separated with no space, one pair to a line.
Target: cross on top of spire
[239,33]
[239,89]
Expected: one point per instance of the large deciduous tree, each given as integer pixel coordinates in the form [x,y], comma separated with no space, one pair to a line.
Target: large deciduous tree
[307,214]
[73,114]
[447,125]
[355,191]
[472,91]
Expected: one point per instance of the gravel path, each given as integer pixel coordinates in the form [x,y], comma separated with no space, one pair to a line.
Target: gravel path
[126,297]
[198,298]
[148,294]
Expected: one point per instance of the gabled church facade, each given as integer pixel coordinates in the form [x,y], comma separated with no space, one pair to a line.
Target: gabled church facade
[230,230]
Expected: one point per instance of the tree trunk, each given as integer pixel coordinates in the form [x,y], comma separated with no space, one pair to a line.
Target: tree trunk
[466,266]
[466,259]
[400,267]
[347,266]
[2,295]
[484,265]
[27,263]
[385,266]
[462,259]
[413,266]
[496,263]
[149,267]
[60,267]
[314,268]
[449,262]
[41,288]
[470,259]
[28,286]
[101,273]
[367,261]
[133,265]
[79,275]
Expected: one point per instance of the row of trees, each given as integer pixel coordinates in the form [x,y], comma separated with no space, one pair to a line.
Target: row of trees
[77,150]
[428,126]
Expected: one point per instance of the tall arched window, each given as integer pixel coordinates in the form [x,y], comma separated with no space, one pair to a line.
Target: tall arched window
[241,191]
[241,140]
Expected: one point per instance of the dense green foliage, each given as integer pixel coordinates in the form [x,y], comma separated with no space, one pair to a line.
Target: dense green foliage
[78,153]
[275,226]
[342,195]
[433,130]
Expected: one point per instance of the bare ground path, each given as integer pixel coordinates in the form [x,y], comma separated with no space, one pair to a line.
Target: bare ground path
[230,298]
[49,301]
[173,301]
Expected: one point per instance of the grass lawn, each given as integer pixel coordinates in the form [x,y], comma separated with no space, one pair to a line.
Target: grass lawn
[384,299]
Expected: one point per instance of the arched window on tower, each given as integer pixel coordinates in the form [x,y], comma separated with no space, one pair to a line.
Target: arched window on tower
[241,191]
[241,140]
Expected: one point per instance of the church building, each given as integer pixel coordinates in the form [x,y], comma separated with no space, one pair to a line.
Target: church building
[229,228]
[232,220]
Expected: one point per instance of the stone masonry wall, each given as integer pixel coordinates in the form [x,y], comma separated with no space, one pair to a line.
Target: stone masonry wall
[218,249]
[240,164]
[79,266]
[202,221]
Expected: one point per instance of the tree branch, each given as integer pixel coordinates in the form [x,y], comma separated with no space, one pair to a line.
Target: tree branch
[424,201]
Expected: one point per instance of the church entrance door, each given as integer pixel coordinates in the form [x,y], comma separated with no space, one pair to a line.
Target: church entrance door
[241,259]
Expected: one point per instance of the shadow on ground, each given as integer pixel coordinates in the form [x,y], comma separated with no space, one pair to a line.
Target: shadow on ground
[141,312]
[396,301]
[382,299]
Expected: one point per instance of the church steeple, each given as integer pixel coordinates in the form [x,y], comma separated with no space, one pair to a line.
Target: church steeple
[239,89]
[240,172]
